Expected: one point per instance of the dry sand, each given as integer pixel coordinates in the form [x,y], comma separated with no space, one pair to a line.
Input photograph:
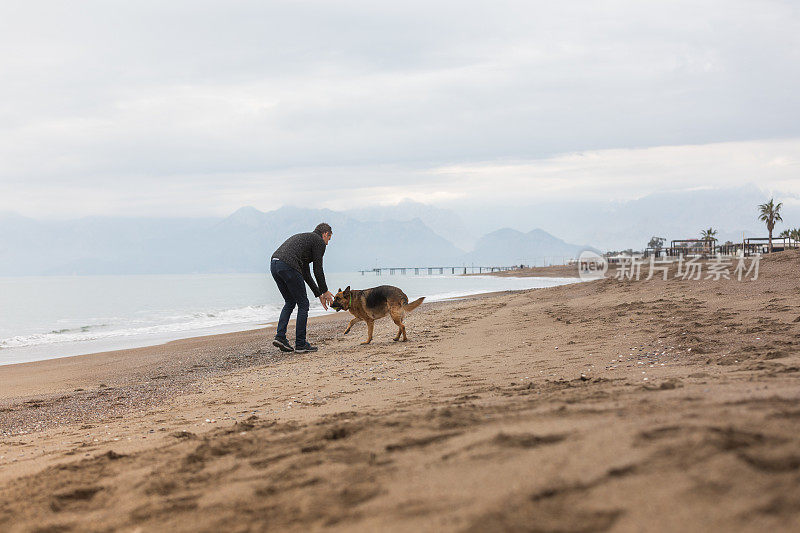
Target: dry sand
[622,406]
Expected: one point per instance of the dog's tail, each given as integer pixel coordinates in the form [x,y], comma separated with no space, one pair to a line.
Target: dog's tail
[413,305]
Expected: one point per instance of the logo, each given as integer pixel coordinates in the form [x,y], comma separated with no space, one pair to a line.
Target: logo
[591,265]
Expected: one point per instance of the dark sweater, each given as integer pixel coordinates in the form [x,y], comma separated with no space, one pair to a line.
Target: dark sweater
[299,251]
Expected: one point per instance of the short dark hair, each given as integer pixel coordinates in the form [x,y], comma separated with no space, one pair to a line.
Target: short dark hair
[323,227]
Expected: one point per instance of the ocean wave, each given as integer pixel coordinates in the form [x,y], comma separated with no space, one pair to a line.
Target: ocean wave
[175,323]
[82,329]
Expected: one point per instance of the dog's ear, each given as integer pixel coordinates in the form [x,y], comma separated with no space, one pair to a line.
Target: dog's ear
[340,289]
[347,290]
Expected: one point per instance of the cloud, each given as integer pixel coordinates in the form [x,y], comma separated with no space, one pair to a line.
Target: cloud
[625,174]
[618,174]
[192,106]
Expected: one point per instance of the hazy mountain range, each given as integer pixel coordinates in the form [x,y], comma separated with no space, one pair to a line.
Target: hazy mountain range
[615,225]
[407,234]
[243,242]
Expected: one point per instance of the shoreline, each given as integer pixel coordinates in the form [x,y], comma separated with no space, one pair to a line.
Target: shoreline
[148,343]
[553,271]
[14,373]
[19,377]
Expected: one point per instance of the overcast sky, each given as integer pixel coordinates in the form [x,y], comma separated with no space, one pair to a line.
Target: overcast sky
[198,108]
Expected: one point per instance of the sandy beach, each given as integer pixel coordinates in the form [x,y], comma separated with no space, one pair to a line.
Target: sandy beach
[601,406]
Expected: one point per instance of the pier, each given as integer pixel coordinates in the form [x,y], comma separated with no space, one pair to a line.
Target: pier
[437,270]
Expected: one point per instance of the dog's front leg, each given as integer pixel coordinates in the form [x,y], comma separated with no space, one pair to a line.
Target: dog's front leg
[349,327]
[370,324]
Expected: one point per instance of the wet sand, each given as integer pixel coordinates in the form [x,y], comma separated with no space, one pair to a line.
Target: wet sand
[620,406]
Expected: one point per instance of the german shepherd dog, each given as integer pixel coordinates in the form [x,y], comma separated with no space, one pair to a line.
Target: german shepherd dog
[371,304]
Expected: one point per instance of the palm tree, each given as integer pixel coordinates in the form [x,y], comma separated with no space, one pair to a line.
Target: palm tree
[793,234]
[770,213]
[708,236]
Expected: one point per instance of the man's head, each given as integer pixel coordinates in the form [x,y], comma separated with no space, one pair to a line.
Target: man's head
[324,230]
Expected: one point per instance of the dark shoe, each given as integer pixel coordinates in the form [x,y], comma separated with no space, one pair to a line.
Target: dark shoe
[283,344]
[305,348]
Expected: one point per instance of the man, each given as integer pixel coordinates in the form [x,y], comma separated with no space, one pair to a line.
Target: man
[289,267]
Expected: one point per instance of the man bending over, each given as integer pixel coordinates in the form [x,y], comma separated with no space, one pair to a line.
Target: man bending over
[289,267]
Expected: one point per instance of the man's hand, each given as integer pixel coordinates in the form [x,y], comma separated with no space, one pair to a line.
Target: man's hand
[326,299]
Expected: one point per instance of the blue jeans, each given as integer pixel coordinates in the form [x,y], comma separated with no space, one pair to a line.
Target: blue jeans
[293,289]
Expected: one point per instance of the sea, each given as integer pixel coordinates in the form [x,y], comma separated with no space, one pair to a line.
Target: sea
[60,316]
